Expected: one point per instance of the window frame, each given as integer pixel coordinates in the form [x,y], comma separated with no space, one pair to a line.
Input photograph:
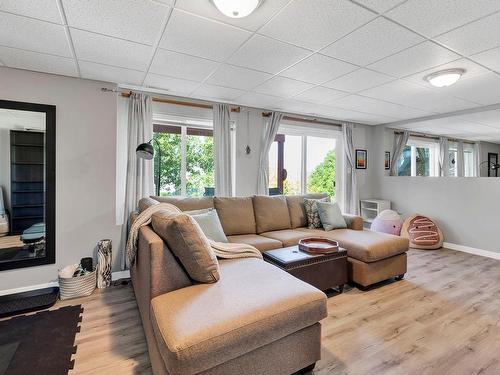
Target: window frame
[433,146]
[185,129]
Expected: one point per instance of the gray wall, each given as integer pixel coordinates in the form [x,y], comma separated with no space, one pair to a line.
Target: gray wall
[85,166]
[466,209]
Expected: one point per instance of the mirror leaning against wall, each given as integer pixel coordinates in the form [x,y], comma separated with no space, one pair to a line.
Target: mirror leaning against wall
[27,184]
[457,146]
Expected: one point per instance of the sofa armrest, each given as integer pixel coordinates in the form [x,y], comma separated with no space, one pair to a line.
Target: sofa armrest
[354,222]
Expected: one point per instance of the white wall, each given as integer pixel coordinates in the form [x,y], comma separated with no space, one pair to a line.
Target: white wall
[466,209]
[85,166]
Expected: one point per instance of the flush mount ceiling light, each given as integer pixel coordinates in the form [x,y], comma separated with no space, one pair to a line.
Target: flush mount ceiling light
[444,78]
[237,8]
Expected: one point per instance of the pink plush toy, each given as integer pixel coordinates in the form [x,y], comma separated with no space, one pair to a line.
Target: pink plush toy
[388,221]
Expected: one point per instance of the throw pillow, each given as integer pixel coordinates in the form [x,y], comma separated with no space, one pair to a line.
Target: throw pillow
[210,225]
[313,219]
[330,216]
[197,212]
[184,237]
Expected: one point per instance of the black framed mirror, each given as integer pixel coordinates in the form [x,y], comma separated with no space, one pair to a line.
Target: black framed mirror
[27,184]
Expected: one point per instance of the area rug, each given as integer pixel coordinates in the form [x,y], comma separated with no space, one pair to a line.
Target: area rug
[41,343]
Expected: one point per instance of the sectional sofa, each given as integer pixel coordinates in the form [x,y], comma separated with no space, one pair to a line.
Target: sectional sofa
[257,319]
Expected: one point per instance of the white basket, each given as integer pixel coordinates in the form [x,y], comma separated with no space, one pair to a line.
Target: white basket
[80,286]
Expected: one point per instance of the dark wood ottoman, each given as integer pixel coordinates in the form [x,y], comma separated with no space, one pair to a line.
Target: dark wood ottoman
[322,271]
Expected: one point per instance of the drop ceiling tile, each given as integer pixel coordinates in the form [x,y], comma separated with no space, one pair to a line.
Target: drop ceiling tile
[380,6]
[217,93]
[483,89]
[490,118]
[471,70]
[252,22]
[30,34]
[358,80]
[283,87]
[394,90]
[108,73]
[373,41]
[320,95]
[267,55]
[16,58]
[172,85]
[314,24]
[431,17]
[490,58]
[475,37]
[416,96]
[165,2]
[110,51]
[415,59]
[253,99]
[178,65]
[45,10]
[136,20]
[318,69]
[377,107]
[238,78]
[201,37]
[297,106]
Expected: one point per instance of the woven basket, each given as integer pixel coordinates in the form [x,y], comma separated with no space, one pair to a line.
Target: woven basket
[80,286]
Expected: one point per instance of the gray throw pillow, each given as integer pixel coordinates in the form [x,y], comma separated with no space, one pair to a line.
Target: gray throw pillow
[210,225]
[313,219]
[330,216]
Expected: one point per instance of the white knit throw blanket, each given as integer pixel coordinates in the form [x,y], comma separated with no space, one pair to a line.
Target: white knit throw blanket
[221,249]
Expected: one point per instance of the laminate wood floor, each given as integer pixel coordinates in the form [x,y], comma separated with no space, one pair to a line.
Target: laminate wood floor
[443,318]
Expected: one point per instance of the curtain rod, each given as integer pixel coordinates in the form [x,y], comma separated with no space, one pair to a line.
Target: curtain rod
[299,119]
[434,137]
[126,94]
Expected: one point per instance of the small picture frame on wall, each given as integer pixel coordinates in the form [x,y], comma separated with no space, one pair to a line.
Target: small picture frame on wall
[361,159]
[387,160]
[492,159]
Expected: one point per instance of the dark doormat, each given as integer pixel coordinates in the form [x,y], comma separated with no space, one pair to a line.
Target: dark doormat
[41,343]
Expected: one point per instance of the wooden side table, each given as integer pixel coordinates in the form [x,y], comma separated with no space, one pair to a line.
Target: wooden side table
[323,271]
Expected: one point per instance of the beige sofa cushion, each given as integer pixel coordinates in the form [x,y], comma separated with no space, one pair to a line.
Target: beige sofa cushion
[271,213]
[146,203]
[366,245]
[260,242]
[221,321]
[288,237]
[236,215]
[296,209]
[185,238]
[188,203]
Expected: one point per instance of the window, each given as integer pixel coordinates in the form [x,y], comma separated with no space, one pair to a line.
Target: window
[302,161]
[469,170]
[419,158]
[187,157]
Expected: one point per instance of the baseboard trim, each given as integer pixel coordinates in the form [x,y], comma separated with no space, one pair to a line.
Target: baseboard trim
[114,276]
[472,250]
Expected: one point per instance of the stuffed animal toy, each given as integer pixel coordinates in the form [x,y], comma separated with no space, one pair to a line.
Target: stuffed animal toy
[388,221]
[422,232]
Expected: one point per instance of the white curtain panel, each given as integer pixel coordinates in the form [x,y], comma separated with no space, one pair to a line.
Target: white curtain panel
[443,157]
[477,160]
[139,171]
[400,141]
[223,150]
[270,129]
[460,159]
[351,194]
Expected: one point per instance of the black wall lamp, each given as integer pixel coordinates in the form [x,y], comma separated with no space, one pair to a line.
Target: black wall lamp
[147,151]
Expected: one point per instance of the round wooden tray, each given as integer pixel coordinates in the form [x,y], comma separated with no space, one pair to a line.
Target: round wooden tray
[318,245]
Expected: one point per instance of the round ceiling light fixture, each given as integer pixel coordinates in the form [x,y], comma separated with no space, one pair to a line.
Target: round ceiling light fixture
[444,78]
[236,8]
